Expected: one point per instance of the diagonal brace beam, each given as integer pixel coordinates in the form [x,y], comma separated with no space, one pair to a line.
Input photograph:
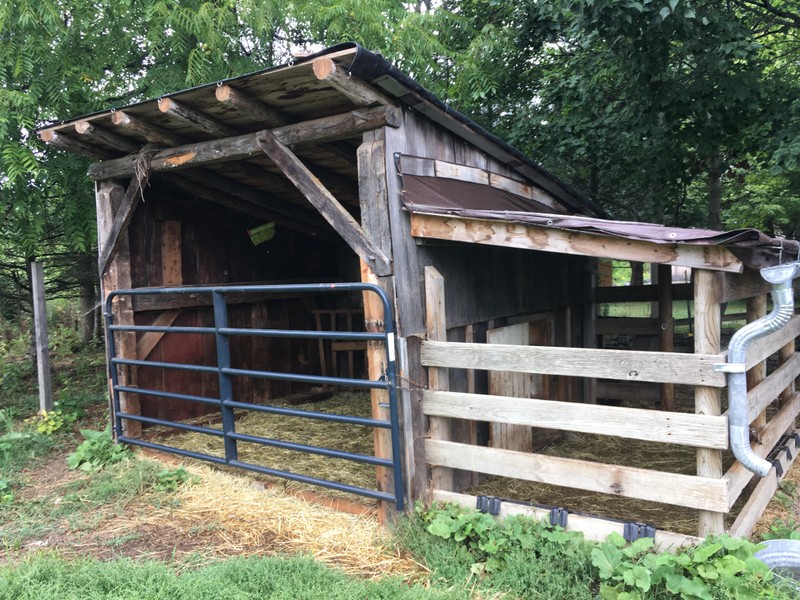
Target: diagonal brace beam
[327,205]
[122,218]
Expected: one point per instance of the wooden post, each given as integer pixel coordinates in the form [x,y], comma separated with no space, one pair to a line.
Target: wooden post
[438,378]
[667,329]
[108,197]
[784,355]
[757,308]
[379,399]
[40,328]
[708,321]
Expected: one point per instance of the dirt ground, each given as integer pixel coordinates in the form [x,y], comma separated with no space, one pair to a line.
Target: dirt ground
[219,515]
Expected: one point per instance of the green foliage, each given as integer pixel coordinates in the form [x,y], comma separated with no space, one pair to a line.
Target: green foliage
[517,556]
[169,480]
[532,560]
[97,451]
[783,530]
[719,567]
[53,421]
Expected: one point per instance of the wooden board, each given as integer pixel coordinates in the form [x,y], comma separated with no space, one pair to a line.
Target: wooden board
[768,390]
[625,365]
[656,486]
[769,345]
[751,512]
[594,528]
[641,293]
[533,237]
[510,434]
[737,476]
[707,400]
[438,379]
[633,423]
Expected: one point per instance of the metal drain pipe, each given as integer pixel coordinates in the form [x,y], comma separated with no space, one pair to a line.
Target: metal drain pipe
[780,277]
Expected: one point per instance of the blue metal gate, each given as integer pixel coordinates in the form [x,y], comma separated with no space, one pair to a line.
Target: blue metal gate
[226,403]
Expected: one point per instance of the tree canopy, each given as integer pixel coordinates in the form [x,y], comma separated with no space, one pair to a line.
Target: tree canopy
[677,111]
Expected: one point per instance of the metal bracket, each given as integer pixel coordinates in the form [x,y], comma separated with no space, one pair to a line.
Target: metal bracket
[488,504]
[778,467]
[632,531]
[558,517]
[730,368]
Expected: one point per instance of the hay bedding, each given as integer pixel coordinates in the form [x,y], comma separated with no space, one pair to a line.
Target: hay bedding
[337,436]
[238,517]
[615,451]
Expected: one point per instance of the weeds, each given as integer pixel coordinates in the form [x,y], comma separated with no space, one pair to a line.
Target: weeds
[97,451]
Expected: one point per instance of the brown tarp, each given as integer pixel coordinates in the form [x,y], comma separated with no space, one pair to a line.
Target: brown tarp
[442,196]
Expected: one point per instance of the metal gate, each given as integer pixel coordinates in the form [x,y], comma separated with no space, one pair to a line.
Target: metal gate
[226,403]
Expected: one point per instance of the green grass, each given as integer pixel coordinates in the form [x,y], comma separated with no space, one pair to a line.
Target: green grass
[79,506]
[49,577]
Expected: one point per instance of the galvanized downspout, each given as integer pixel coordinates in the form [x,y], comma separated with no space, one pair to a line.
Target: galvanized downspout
[780,277]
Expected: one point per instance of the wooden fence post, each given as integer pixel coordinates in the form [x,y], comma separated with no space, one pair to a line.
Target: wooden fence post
[438,378]
[40,327]
[707,401]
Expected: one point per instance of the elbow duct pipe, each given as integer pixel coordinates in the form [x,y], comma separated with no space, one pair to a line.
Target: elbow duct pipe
[780,277]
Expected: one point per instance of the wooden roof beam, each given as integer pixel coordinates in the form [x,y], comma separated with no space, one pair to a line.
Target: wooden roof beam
[255,108]
[327,205]
[533,237]
[71,144]
[244,146]
[194,118]
[259,111]
[358,92]
[199,188]
[152,133]
[97,132]
[257,198]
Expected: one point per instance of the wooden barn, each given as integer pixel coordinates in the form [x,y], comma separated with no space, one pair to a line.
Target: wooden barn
[272,239]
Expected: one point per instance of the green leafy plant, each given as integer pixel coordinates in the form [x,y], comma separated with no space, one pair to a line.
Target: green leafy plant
[169,480]
[6,493]
[97,451]
[781,529]
[722,565]
[53,421]
[492,541]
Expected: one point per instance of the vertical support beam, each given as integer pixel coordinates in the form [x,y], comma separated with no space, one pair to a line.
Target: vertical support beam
[707,401]
[42,345]
[757,308]
[225,383]
[108,197]
[171,262]
[589,333]
[785,354]
[667,329]
[440,428]
[373,202]
[379,399]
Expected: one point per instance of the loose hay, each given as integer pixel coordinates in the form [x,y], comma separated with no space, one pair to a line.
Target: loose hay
[337,436]
[615,451]
[246,519]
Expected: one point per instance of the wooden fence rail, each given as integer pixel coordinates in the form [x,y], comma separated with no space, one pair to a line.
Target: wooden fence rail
[699,431]
[703,493]
[625,365]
